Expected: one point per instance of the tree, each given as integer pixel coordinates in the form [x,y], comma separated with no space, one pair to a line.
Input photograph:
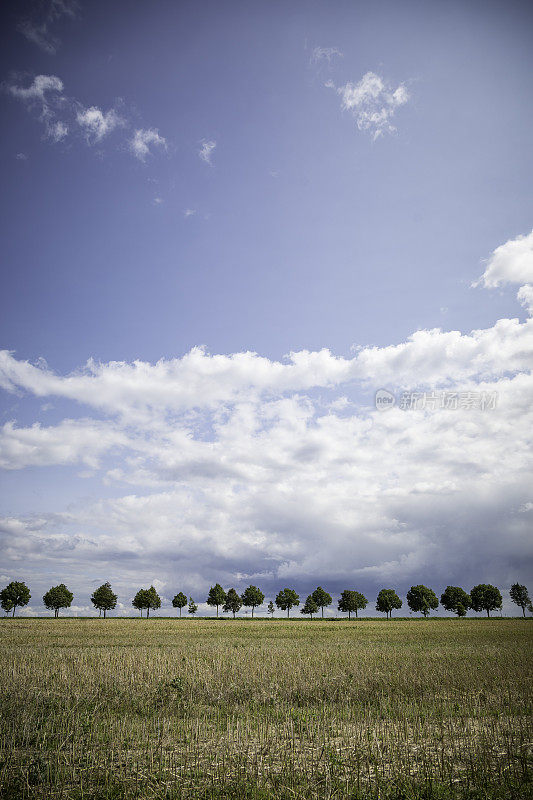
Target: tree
[252,596]
[321,598]
[58,597]
[179,601]
[15,595]
[520,596]
[233,602]
[421,598]
[387,600]
[310,606]
[455,599]
[216,596]
[350,600]
[193,608]
[485,597]
[103,598]
[146,598]
[286,599]
[270,608]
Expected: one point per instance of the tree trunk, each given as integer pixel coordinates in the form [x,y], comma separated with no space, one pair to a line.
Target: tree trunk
[524,611]
[322,612]
[252,612]
[104,613]
[488,614]
[288,613]
[147,612]
[14,607]
[217,612]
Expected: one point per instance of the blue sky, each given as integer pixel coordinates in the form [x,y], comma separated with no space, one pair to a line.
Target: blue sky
[265,178]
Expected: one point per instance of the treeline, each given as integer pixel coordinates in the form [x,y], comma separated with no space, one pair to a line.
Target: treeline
[420,599]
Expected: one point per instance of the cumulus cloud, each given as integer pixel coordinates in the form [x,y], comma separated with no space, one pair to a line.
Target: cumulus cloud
[511,262]
[97,123]
[206,150]
[242,469]
[45,96]
[143,139]
[372,102]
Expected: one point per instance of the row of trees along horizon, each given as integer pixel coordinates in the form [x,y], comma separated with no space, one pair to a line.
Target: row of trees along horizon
[420,599]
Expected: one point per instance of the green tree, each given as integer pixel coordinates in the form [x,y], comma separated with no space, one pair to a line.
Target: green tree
[387,599]
[193,608]
[271,609]
[286,599]
[146,599]
[310,606]
[421,598]
[350,600]
[103,598]
[252,597]
[15,595]
[485,597]
[58,597]
[455,599]
[216,596]
[321,598]
[233,602]
[179,601]
[520,596]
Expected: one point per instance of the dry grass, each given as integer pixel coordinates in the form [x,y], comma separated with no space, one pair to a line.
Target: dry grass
[265,709]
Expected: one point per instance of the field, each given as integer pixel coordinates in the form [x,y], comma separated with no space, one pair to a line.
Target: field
[265,709]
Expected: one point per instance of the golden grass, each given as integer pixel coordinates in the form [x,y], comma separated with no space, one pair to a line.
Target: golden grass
[265,709]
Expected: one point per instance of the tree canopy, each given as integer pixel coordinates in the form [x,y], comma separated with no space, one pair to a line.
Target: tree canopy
[421,598]
[179,601]
[485,597]
[455,599]
[387,600]
[286,599]
[15,595]
[193,608]
[321,598]
[520,596]
[233,602]
[310,607]
[216,596]
[58,597]
[103,598]
[252,597]
[350,600]
[146,599]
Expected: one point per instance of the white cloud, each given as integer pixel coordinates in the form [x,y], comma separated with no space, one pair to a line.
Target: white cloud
[38,89]
[525,297]
[69,442]
[143,139]
[206,150]
[21,157]
[242,469]
[373,103]
[61,114]
[97,123]
[511,262]
[189,212]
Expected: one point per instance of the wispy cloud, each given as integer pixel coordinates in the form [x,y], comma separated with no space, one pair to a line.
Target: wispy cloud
[325,54]
[189,212]
[62,115]
[143,139]
[206,150]
[97,123]
[372,102]
[36,28]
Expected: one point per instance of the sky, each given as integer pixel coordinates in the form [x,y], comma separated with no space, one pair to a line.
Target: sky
[225,227]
